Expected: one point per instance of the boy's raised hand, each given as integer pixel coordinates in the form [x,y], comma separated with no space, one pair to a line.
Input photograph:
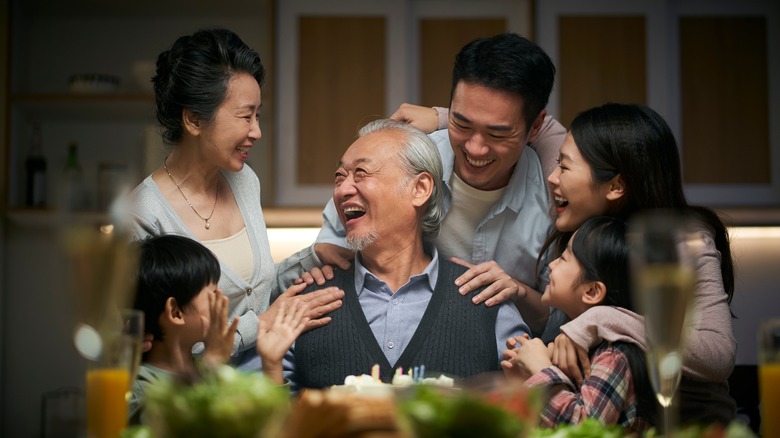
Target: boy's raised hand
[276,337]
[219,337]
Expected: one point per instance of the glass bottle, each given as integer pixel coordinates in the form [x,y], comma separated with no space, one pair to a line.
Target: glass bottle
[35,187]
[73,196]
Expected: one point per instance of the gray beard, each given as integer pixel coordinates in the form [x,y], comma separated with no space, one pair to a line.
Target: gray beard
[359,243]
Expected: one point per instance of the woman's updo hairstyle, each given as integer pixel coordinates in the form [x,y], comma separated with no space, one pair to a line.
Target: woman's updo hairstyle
[194,74]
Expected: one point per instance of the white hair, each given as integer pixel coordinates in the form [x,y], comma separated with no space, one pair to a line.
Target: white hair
[419,155]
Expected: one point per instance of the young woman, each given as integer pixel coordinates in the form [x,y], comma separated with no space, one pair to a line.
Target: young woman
[592,271]
[619,160]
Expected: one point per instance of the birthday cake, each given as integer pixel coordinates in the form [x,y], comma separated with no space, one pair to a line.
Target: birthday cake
[371,385]
[363,406]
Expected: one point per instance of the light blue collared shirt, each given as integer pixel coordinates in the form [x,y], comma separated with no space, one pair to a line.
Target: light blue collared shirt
[394,317]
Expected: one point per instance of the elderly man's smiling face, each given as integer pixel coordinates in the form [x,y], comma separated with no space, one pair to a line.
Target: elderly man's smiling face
[373,194]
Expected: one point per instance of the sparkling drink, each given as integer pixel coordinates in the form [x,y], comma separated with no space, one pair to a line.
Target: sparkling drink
[135,358]
[664,293]
[663,285]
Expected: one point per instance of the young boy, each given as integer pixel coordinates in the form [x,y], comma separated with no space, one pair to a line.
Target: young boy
[592,271]
[177,291]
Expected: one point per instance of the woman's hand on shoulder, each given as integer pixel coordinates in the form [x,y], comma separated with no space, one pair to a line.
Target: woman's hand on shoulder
[317,304]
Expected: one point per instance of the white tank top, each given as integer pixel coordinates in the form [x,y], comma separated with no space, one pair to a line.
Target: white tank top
[235,252]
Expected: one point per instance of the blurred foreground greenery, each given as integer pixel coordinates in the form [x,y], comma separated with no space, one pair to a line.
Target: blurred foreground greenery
[223,403]
[232,404]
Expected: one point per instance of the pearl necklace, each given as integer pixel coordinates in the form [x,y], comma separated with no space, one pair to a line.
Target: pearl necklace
[216,195]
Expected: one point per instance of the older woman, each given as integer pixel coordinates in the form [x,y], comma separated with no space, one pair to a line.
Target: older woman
[208,99]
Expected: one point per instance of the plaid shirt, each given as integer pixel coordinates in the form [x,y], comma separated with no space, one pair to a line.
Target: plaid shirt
[607,395]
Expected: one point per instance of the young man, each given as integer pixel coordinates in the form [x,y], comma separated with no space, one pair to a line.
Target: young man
[496,200]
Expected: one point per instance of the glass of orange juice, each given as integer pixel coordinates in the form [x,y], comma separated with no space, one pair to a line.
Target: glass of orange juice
[111,373]
[769,376]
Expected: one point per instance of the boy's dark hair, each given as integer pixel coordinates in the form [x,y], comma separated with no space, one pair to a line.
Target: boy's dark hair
[175,267]
[507,62]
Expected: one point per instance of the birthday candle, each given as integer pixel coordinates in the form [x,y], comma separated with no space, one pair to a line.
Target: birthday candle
[375,371]
[399,371]
[422,372]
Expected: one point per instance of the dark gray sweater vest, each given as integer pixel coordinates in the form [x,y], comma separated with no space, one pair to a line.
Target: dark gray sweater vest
[454,337]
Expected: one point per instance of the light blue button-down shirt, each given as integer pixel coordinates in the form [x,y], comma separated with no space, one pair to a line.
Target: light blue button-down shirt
[394,317]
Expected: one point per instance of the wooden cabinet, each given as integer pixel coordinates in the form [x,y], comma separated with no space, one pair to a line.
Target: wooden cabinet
[710,68]
[343,63]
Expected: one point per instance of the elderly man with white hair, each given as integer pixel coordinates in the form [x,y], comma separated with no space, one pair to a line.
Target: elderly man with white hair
[401,306]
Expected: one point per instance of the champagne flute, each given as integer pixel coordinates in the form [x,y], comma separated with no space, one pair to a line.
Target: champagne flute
[133,332]
[664,284]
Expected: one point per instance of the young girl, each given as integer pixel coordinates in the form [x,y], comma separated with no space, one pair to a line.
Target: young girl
[177,291]
[591,271]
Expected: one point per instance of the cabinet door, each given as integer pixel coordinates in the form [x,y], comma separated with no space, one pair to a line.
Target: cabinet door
[704,66]
[344,63]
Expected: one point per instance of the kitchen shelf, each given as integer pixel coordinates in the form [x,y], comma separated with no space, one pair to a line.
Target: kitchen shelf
[50,217]
[85,106]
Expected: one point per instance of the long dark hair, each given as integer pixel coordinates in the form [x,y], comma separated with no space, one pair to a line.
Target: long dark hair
[635,142]
[599,245]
